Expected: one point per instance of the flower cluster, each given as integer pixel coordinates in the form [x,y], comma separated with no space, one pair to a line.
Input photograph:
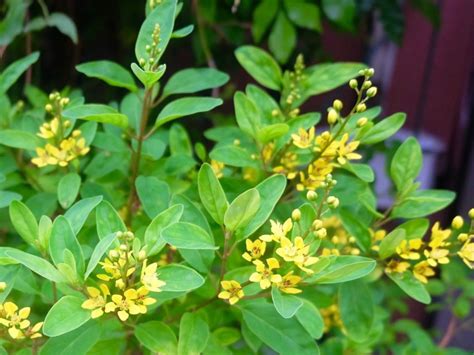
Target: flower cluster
[17,323]
[423,257]
[153,50]
[61,146]
[331,317]
[127,280]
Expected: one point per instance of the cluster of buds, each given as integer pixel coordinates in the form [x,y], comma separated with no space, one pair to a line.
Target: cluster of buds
[334,112]
[152,50]
[295,77]
[370,90]
[154,3]
[318,229]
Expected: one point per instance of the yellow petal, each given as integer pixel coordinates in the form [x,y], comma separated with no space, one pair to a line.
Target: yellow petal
[123,315]
[24,312]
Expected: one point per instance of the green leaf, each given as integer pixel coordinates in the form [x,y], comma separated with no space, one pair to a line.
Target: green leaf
[390,243]
[179,278]
[79,212]
[68,189]
[242,210]
[65,316]
[263,17]
[147,77]
[193,334]
[384,129]
[163,15]
[355,227]
[11,74]
[24,222]
[362,171]
[226,335]
[19,139]
[110,72]
[186,106]
[183,32]
[64,24]
[260,65]
[153,240]
[285,336]
[157,337]
[342,12]
[153,193]
[286,305]
[282,39]
[188,81]
[310,318]
[79,341]
[7,197]
[343,268]
[357,309]
[179,141]
[97,113]
[100,249]
[416,228]
[411,286]
[36,264]
[62,238]
[406,164]
[233,156]
[246,114]
[304,14]
[271,132]
[108,220]
[423,203]
[270,191]
[183,235]
[211,193]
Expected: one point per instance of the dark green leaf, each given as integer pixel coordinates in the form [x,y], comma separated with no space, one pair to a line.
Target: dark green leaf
[260,65]
[110,72]
[188,81]
[153,193]
[97,113]
[211,193]
[282,39]
[11,74]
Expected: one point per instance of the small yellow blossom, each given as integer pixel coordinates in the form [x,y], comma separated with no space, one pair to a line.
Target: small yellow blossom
[407,249]
[15,320]
[288,165]
[267,152]
[457,222]
[316,175]
[149,278]
[331,317]
[278,230]
[345,151]
[218,168]
[422,271]
[395,266]
[232,291]
[264,275]
[437,256]
[439,236]
[467,253]
[255,249]
[289,282]
[304,139]
[126,304]
[97,301]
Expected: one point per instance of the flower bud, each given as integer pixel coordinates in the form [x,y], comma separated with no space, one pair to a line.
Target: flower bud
[311,195]
[123,247]
[362,121]
[369,72]
[332,201]
[322,233]
[462,237]
[113,254]
[337,104]
[471,213]
[372,91]
[361,108]
[142,62]
[3,286]
[317,224]
[275,112]
[48,107]
[296,215]
[129,235]
[367,84]
[141,255]
[236,141]
[457,222]
[120,284]
[352,239]
[332,116]
[353,83]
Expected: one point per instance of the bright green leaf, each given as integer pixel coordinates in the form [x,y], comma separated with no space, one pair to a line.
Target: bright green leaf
[260,65]
[97,113]
[188,81]
[242,210]
[110,72]
[65,316]
[211,193]
[68,189]
[183,235]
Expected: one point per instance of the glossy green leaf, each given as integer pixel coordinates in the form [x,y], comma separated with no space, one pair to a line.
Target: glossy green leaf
[188,81]
[263,16]
[147,77]
[423,203]
[362,171]
[406,164]
[179,141]
[157,337]
[110,72]
[282,39]
[304,14]
[342,12]
[411,286]
[233,156]
[390,242]
[183,32]
[100,249]
[179,278]
[211,193]
[66,315]
[19,139]
[384,129]
[193,334]
[80,211]
[163,15]
[183,235]
[154,194]
[186,106]
[356,228]
[10,75]
[24,222]
[343,268]
[36,264]
[242,210]
[271,132]
[415,228]
[310,318]
[78,341]
[260,65]
[246,114]
[68,189]
[285,304]
[98,113]
[108,220]
[153,240]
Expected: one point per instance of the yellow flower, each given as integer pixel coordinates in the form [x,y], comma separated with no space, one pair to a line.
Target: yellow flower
[264,275]
[15,320]
[437,256]
[467,253]
[278,230]
[49,130]
[422,271]
[439,236]
[254,249]
[289,282]
[131,302]
[304,139]
[326,145]
[316,174]
[406,249]
[331,317]
[43,158]
[395,266]
[288,164]
[232,291]
[267,152]
[218,168]
[292,252]
[149,278]
[97,300]
[60,156]
[345,151]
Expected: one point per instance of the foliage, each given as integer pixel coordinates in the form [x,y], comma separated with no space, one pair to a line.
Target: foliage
[119,235]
